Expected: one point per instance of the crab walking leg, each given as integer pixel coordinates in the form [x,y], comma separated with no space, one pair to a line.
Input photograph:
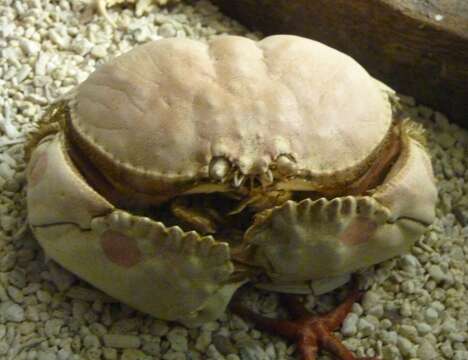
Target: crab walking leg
[309,331]
[307,345]
[200,221]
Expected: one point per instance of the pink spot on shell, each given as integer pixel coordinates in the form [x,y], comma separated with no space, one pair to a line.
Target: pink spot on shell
[120,248]
[359,231]
[37,169]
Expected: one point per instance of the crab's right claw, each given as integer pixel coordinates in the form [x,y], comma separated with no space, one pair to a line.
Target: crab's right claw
[164,271]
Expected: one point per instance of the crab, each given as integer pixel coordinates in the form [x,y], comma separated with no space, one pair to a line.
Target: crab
[182,170]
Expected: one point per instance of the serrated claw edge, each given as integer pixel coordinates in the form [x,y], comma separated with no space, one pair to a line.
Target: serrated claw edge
[191,274]
[168,238]
[304,240]
[337,210]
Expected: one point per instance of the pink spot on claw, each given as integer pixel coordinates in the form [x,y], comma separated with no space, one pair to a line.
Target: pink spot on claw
[359,231]
[37,169]
[120,248]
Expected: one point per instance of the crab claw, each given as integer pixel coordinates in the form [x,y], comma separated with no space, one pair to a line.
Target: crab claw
[317,239]
[164,271]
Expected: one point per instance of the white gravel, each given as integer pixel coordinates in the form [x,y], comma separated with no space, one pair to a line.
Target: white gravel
[416,307]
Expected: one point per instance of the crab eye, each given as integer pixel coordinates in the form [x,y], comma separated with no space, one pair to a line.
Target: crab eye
[219,168]
[285,164]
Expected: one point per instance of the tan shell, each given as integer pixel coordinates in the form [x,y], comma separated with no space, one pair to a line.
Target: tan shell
[177,116]
[156,117]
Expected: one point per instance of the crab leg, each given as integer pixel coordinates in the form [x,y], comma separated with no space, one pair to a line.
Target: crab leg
[309,331]
[201,222]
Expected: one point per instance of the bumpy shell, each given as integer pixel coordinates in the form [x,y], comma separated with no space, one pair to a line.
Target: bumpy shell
[155,117]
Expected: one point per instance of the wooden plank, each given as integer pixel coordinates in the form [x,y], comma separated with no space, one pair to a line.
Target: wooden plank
[418,47]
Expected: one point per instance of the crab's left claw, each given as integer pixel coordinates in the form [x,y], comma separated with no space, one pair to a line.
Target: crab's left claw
[317,239]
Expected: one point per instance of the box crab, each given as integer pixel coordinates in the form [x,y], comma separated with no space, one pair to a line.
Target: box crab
[181,170]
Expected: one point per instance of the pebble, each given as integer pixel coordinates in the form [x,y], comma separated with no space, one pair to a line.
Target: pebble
[357,309]
[91,341]
[369,300]
[376,310]
[446,349]
[457,337]
[177,340]
[45,355]
[436,273]
[26,328]
[389,337]
[109,353]
[64,354]
[121,341]
[409,332]
[408,287]
[15,294]
[133,354]
[365,327]
[81,46]
[406,347]
[426,351]
[213,353]
[386,324]
[7,261]
[423,328]
[224,344]
[60,40]
[52,327]
[349,327]
[406,309]
[203,341]
[44,296]
[250,350]
[431,315]
[99,51]
[11,312]
[151,348]
[17,278]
